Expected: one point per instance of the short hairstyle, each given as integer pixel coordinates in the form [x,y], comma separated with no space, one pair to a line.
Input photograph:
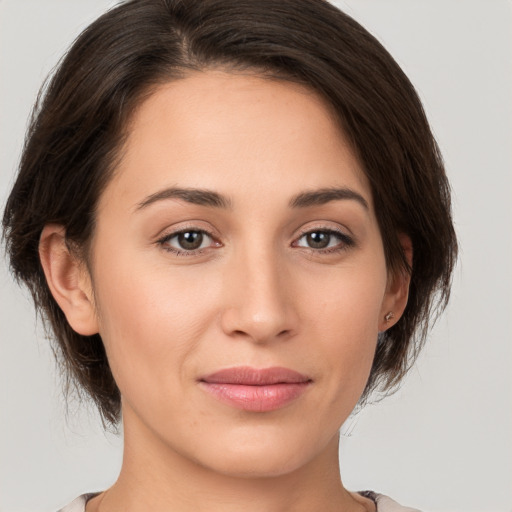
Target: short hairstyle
[80,119]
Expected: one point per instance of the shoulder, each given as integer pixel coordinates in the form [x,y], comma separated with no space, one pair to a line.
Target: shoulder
[385,503]
[78,505]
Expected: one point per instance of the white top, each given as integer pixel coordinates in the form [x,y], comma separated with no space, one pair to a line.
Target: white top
[384,504]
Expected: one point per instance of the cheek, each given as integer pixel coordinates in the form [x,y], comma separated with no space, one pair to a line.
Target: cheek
[151,321]
[346,321]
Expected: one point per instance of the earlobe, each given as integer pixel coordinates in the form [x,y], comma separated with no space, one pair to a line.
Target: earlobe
[397,291]
[68,280]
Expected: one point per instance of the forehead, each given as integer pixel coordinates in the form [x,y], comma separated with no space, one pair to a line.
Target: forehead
[229,131]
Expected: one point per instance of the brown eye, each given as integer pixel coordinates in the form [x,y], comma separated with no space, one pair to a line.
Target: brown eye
[324,239]
[318,239]
[187,241]
[190,240]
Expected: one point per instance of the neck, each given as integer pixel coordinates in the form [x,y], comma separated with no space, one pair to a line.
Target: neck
[157,478]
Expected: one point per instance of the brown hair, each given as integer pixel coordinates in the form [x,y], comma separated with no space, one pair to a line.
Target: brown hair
[80,119]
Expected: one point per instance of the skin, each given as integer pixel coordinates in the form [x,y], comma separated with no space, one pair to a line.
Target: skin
[254,294]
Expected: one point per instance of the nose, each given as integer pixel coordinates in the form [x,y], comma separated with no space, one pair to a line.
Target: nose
[261,304]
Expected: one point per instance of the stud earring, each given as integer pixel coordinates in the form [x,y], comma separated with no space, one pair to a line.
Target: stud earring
[389,316]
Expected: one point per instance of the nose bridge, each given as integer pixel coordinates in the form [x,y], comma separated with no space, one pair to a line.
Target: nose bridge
[259,307]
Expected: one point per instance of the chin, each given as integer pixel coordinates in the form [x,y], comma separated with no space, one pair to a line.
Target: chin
[262,455]
[258,465]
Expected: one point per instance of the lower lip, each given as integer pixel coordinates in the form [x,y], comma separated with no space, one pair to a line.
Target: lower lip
[263,398]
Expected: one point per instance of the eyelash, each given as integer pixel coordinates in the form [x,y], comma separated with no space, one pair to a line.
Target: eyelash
[345,241]
[164,241]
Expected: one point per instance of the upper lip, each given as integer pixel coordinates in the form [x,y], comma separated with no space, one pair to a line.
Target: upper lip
[245,375]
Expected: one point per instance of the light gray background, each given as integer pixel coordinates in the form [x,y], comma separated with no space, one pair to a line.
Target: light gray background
[444,442]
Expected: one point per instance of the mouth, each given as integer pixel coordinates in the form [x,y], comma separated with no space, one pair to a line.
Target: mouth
[256,390]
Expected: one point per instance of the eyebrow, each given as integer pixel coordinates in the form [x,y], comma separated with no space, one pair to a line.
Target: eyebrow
[203,197]
[200,197]
[326,195]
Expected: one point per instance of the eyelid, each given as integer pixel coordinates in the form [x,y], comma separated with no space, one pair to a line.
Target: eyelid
[346,240]
[184,226]
[168,234]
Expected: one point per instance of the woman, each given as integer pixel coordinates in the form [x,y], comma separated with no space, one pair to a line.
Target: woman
[236,220]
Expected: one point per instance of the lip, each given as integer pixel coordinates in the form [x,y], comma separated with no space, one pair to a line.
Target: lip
[256,390]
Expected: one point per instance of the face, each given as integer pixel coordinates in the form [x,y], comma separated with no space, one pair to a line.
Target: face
[238,274]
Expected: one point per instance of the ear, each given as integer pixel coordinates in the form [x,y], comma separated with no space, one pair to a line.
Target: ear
[68,280]
[397,291]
